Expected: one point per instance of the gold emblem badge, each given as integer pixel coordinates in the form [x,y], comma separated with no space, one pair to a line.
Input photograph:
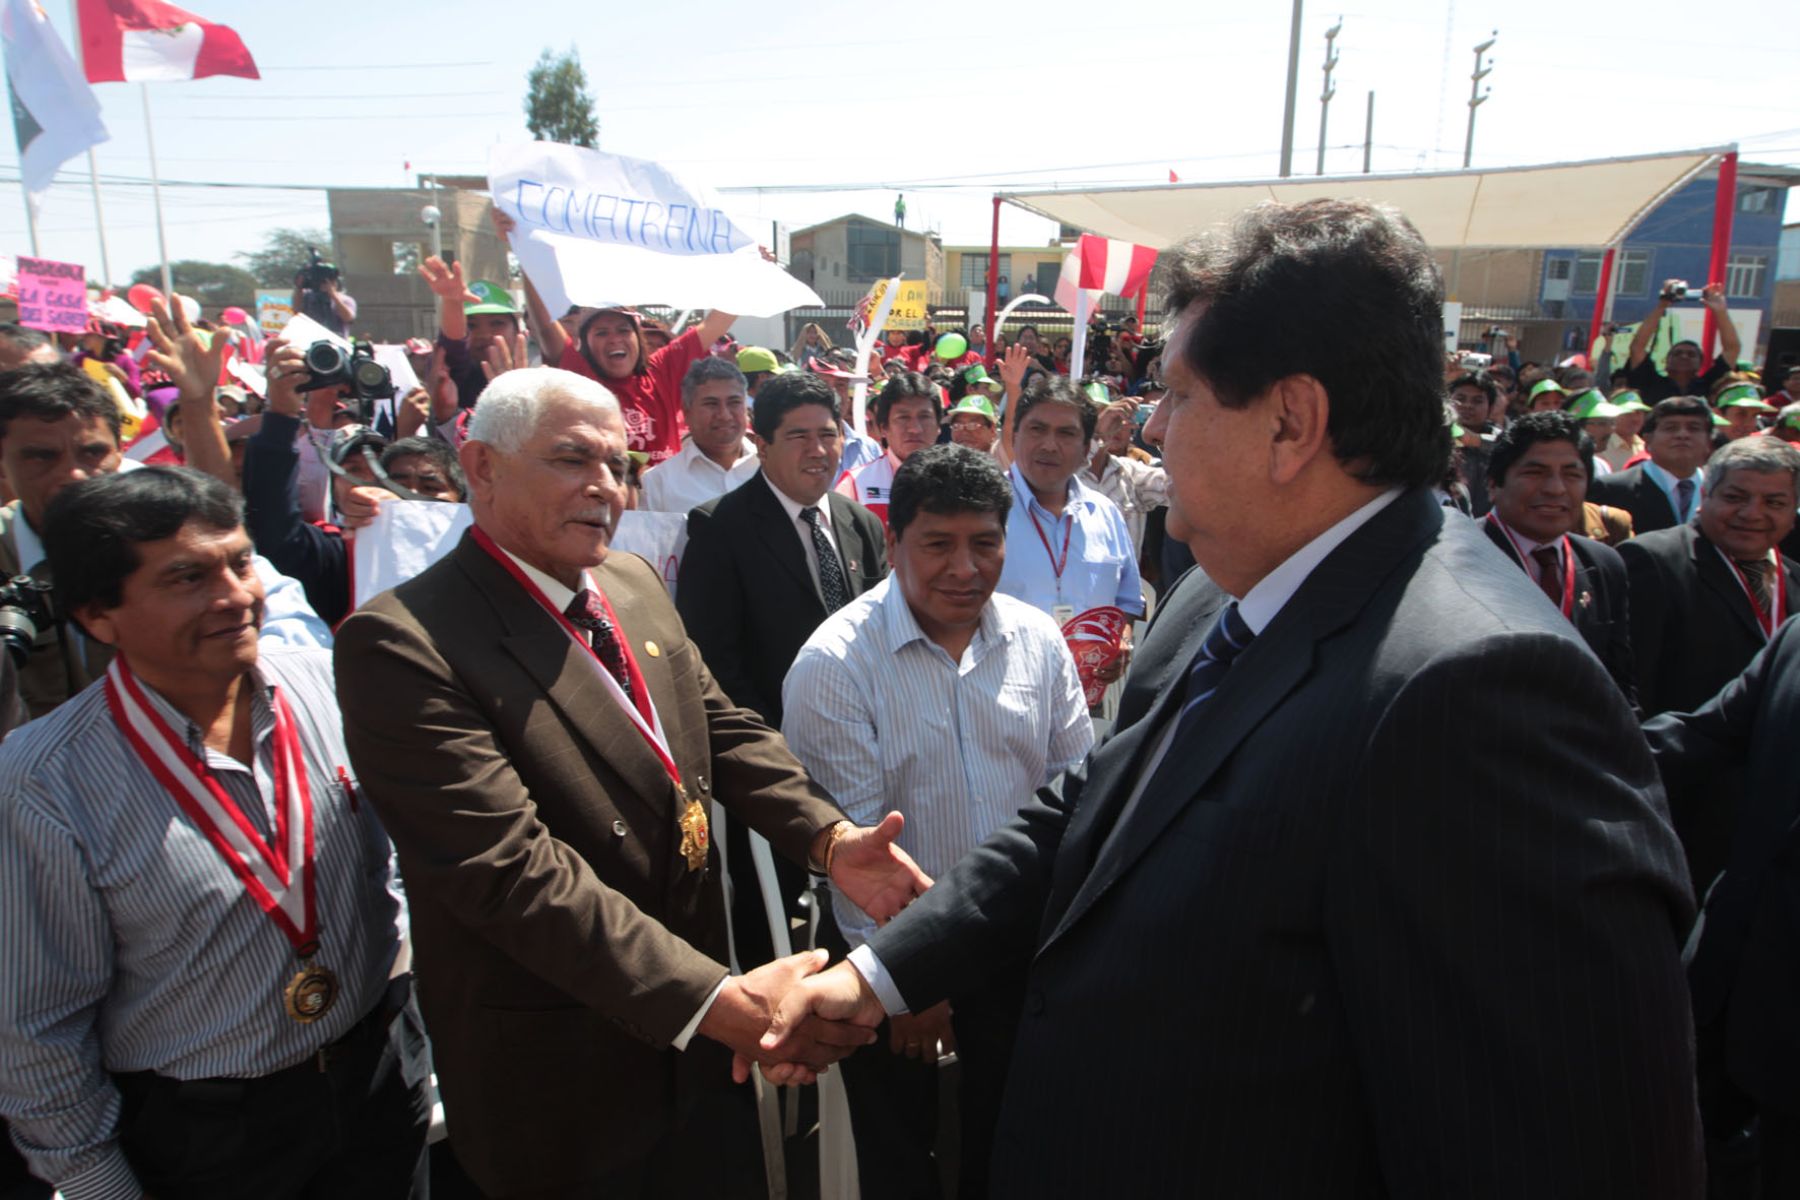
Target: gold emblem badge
[695,837]
[311,993]
[652,649]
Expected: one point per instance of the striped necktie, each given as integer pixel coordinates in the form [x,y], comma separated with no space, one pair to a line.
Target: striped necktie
[1226,640]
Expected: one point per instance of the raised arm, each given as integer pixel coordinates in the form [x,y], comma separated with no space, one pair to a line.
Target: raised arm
[192,359]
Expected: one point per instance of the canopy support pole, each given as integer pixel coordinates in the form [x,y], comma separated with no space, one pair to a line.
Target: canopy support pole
[993,286]
[1724,205]
[1601,297]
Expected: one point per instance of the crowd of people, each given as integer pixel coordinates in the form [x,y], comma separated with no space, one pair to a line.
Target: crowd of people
[1272,762]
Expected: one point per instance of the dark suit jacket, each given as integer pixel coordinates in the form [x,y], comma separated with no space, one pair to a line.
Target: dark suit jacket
[1601,614]
[1692,627]
[62,661]
[1339,947]
[1636,493]
[1745,971]
[746,595]
[561,941]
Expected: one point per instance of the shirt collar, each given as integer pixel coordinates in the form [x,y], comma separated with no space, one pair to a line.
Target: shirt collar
[903,627]
[1667,481]
[554,592]
[793,507]
[691,455]
[1270,595]
[262,717]
[26,540]
[1077,493]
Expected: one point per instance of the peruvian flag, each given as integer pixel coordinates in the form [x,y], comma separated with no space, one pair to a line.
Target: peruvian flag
[140,41]
[1096,264]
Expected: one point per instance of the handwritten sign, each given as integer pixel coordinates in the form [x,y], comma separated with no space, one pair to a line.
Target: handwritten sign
[910,309]
[603,230]
[52,295]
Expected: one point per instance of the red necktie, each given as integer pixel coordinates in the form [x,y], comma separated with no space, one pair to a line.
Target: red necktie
[1549,574]
[585,612]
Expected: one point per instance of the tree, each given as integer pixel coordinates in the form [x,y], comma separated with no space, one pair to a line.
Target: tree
[558,106]
[284,253]
[214,285]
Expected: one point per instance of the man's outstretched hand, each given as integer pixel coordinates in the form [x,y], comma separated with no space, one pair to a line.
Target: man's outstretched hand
[872,872]
[747,1007]
[839,999]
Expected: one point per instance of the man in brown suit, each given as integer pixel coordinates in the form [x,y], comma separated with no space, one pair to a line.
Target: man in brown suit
[543,741]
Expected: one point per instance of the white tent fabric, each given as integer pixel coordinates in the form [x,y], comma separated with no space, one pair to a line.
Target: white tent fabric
[1576,205]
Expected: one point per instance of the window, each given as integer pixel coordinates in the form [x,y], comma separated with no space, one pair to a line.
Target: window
[1634,272]
[1587,274]
[873,251]
[1756,200]
[1744,275]
[1558,269]
[974,270]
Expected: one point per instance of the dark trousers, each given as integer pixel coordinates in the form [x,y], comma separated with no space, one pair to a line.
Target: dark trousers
[1752,1150]
[343,1125]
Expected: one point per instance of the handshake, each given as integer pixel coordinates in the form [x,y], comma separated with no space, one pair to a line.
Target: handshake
[792,1017]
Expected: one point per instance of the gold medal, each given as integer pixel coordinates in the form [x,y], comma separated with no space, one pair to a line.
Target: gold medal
[311,993]
[695,838]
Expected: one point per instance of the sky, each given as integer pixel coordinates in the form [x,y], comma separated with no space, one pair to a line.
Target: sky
[947,106]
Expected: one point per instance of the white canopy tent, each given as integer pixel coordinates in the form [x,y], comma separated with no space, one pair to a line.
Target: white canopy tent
[1579,205]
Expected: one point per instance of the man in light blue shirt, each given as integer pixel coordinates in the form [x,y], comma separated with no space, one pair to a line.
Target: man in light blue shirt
[934,697]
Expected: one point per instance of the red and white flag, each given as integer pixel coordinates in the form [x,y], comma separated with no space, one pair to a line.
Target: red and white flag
[140,41]
[1096,264]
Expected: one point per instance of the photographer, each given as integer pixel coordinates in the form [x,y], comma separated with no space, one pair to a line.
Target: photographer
[319,293]
[1684,376]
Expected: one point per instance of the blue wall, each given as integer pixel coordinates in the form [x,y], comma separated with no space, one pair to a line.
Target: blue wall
[1678,236]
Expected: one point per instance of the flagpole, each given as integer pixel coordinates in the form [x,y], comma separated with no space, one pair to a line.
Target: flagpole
[93,166]
[162,239]
[30,217]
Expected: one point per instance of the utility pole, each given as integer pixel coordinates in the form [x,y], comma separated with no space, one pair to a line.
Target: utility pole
[1477,97]
[1331,61]
[1289,97]
[1369,134]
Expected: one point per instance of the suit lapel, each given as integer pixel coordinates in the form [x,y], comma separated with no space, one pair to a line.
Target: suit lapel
[1259,680]
[1500,539]
[781,538]
[1718,578]
[1652,492]
[567,675]
[850,545]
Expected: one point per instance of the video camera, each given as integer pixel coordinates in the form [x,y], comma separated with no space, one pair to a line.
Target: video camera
[1678,289]
[316,273]
[24,609]
[328,365]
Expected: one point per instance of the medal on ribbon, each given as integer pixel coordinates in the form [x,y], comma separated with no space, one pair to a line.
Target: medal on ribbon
[279,873]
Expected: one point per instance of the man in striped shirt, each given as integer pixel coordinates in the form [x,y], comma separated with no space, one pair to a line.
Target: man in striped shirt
[198,922]
[932,696]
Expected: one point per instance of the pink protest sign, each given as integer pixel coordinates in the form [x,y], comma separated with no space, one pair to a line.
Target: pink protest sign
[52,295]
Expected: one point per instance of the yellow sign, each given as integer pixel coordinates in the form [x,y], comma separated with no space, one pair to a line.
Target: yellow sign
[910,306]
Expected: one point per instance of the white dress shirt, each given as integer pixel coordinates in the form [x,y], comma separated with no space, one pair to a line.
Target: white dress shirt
[690,479]
[1257,607]
[885,721]
[804,531]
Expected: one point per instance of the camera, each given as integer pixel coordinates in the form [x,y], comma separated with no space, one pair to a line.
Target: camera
[24,609]
[1678,289]
[329,365]
[1469,360]
[316,273]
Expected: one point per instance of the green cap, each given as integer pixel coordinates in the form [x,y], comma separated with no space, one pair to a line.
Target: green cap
[1630,402]
[1592,405]
[977,376]
[1097,392]
[979,405]
[490,298]
[754,360]
[1720,422]
[1546,385]
[1744,395]
[1456,432]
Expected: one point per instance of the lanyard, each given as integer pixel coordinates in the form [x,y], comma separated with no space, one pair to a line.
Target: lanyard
[1568,558]
[1056,566]
[1770,620]
[643,714]
[280,876]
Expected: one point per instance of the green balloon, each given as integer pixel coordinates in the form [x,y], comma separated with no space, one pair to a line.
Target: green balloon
[951,346]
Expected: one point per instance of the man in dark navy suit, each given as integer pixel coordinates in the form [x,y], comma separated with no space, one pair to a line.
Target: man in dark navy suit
[1290,931]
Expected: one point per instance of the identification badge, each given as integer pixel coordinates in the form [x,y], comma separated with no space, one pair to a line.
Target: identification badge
[1062,614]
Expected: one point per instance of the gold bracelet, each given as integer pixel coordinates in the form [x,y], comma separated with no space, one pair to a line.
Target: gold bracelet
[838,831]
